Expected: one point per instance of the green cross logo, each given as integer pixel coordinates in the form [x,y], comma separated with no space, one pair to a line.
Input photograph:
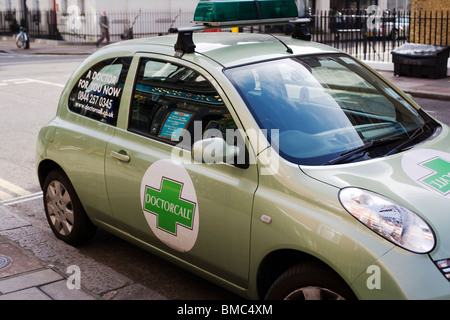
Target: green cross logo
[168,206]
[440,178]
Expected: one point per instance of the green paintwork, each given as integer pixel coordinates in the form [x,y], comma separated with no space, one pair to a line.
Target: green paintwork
[219,11]
[441,177]
[234,241]
[169,207]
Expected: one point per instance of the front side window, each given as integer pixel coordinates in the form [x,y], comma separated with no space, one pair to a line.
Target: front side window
[98,91]
[328,109]
[176,105]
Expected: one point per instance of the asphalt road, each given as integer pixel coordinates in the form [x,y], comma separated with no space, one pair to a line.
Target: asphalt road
[439,109]
[30,87]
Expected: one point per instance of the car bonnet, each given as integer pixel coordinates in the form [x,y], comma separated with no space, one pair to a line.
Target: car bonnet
[418,179]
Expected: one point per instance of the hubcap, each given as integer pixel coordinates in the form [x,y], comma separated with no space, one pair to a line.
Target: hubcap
[59,206]
[313,293]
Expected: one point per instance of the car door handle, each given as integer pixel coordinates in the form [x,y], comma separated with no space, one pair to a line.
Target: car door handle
[120,155]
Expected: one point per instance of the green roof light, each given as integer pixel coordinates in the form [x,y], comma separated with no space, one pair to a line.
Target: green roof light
[217,13]
[220,14]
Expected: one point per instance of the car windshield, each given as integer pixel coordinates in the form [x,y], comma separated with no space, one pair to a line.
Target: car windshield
[327,109]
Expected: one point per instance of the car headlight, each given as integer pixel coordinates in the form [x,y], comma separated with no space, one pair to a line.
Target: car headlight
[389,219]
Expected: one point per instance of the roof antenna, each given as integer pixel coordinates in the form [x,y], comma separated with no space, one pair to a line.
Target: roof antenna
[288,49]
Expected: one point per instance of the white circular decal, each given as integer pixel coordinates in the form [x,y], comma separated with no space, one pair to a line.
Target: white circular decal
[429,168]
[169,204]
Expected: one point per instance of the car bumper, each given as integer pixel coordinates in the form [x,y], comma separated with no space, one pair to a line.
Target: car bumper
[399,275]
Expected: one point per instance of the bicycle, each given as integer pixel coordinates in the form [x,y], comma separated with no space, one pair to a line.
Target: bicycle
[22,38]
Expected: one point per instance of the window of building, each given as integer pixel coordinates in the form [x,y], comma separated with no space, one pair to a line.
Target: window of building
[81,6]
[63,6]
[98,92]
[340,5]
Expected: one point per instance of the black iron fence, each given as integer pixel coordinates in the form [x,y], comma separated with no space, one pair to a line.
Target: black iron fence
[370,37]
[85,27]
[40,24]
[430,27]
[366,36]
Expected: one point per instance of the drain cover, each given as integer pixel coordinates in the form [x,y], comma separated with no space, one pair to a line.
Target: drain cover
[4,261]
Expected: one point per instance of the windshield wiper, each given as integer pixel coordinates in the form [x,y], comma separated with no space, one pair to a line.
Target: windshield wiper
[344,156]
[408,142]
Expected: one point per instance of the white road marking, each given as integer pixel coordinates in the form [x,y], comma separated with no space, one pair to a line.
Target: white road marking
[29,197]
[27,80]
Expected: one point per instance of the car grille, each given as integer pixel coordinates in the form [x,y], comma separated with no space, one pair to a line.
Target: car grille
[444,266]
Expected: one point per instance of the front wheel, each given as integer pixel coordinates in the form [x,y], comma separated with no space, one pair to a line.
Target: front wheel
[64,211]
[309,281]
[394,34]
[20,42]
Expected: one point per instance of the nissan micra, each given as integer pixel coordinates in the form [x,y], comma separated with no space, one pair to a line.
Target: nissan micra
[275,167]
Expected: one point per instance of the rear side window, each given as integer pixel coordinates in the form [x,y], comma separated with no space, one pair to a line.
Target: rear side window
[98,91]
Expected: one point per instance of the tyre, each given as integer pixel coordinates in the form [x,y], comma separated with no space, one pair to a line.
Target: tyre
[20,42]
[64,211]
[309,281]
[394,34]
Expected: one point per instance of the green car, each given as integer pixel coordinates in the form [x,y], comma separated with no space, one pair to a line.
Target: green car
[275,167]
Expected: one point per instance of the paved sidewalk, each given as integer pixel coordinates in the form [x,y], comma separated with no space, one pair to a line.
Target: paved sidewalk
[23,276]
[438,89]
[47,47]
[34,265]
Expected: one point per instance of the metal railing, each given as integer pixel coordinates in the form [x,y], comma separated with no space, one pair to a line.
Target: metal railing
[362,35]
[85,27]
[430,27]
[373,38]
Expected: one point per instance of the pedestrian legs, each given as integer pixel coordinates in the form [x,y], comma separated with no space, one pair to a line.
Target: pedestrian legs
[105,35]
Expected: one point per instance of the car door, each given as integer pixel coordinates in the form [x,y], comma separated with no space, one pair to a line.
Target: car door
[87,123]
[195,211]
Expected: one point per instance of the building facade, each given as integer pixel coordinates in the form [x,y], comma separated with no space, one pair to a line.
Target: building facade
[357,5]
[61,6]
[430,22]
[78,20]
[89,6]
[430,5]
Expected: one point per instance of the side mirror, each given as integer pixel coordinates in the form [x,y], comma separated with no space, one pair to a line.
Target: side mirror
[213,150]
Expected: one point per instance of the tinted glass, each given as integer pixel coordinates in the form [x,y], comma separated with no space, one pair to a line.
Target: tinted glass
[317,108]
[98,91]
[173,103]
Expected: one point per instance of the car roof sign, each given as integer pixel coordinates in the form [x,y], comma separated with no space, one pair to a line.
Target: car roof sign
[219,13]
[223,14]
